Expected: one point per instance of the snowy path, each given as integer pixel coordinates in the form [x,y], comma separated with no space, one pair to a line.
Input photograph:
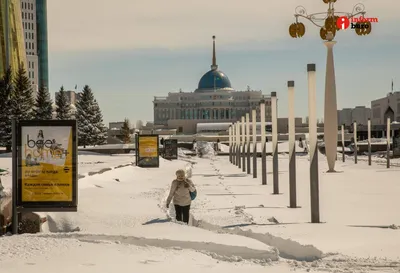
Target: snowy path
[231,200]
[119,211]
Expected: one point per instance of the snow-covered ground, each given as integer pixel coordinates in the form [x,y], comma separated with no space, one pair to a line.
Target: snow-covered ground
[122,223]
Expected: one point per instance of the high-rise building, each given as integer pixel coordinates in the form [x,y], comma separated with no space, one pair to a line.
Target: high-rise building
[11,34]
[34,22]
[28,13]
[42,42]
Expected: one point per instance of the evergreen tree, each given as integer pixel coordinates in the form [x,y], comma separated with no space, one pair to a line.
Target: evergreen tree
[63,108]
[85,116]
[101,130]
[43,105]
[21,97]
[6,88]
[125,132]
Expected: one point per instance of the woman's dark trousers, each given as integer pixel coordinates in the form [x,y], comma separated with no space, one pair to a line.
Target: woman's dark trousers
[182,213]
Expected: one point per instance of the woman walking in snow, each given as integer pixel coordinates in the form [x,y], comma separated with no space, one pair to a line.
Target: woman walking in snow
[182,193]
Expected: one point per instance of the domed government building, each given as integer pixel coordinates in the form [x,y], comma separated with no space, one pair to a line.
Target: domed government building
[214,101]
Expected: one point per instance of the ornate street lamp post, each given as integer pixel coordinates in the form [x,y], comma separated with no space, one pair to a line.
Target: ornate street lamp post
[329,26]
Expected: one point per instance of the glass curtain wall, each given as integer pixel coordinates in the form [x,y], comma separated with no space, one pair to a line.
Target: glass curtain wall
[16,42]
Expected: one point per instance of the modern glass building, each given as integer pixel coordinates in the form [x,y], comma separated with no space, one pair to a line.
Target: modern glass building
[42,42]
[11,28]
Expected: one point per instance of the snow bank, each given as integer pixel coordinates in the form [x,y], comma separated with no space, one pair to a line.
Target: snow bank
[222,251]
[287,248]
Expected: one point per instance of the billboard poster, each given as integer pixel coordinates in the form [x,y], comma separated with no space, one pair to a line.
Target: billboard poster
[47,165]
[396,146]
[148,153]
[171,149]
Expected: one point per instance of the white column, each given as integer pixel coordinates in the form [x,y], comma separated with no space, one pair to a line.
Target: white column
[233,134]
[238,133]
[254,126]
[342,131]
[312,112]
[243,132]
[355,141]
[343,144]
[369,131]
[230,136]
[388,142]
[247,128]
[262,114]
[275,161]
[369,142]
[330,111]
[292,147]
[388,130]
[291,121]
[274,118]
[312,127]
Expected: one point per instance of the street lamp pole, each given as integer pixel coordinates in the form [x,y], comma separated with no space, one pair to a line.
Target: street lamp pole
[328,23]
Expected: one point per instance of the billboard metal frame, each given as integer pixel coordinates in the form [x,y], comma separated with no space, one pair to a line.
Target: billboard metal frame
[48,206]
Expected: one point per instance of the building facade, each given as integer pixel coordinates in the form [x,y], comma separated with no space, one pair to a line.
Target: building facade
[360,114]
[28,14]
[72,96]
[42,43]
[214,101]
[11,34]
[34,22]
[383,108]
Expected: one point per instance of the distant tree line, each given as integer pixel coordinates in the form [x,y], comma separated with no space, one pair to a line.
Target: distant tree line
[17,102]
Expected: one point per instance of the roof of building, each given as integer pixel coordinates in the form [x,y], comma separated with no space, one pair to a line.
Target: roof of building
[214,79]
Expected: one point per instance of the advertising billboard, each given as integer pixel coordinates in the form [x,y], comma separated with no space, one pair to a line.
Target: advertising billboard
[47,165]
[171,149]
[147,151]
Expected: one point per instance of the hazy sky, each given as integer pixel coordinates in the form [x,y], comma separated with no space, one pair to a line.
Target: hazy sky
[130,51]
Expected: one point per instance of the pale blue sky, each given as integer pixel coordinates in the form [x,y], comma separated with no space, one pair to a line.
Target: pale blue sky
[131,53]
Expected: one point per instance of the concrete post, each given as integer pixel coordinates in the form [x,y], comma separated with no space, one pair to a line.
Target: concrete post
[263,143]
[254,124]
[248,141]
[330,111]
[230,143]
[292,146]
[388,143]
[355,141]
[369,143]
[233,144]
[343,145]
[243,123]
[312,116]
[238,158]
[275,162]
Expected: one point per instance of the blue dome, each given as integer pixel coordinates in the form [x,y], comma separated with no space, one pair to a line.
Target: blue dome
[214,79]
